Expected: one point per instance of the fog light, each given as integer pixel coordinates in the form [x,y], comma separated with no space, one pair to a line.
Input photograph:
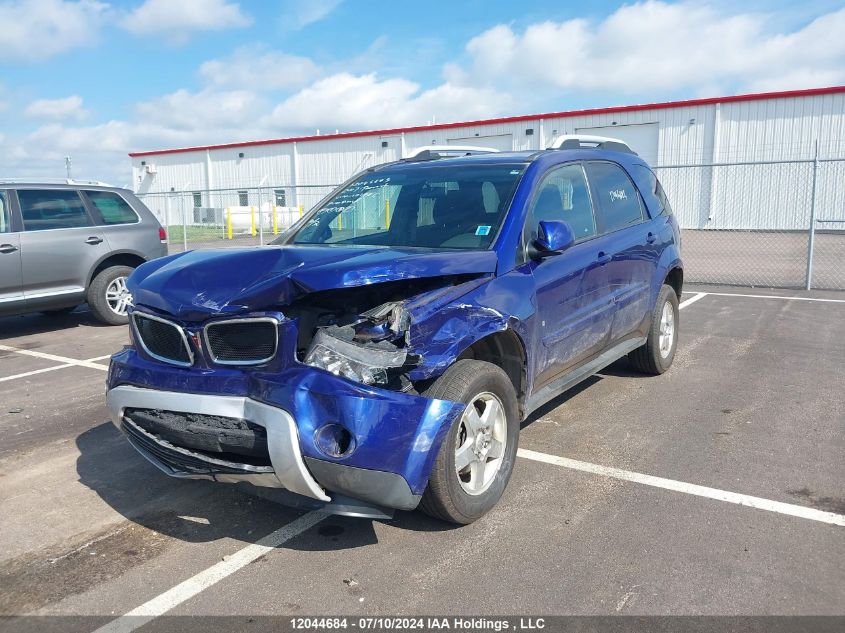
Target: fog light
[334,440]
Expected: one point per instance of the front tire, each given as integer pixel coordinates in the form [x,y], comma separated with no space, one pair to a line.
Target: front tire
[477,456]
[108,297]
[656,356]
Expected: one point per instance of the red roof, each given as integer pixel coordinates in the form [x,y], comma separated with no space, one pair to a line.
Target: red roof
[510,119]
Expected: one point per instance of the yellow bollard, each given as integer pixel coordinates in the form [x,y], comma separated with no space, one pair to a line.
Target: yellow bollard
[340,221]
[387,213]
[252,221]
[228,223]
[300,210]
[275,221]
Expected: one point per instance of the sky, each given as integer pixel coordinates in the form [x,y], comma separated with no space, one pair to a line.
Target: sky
[94,80]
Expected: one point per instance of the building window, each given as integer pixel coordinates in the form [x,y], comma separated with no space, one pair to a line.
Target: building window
[197,199]
[280,197]
[243,198]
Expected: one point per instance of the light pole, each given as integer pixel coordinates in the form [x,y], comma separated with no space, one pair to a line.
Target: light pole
[68,162]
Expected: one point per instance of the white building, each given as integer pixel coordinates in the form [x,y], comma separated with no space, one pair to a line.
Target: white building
[778,126]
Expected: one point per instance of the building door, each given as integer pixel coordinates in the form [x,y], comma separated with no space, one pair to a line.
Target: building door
[643,138]
[501,142]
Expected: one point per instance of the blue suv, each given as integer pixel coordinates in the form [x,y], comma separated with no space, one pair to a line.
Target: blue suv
[383,353]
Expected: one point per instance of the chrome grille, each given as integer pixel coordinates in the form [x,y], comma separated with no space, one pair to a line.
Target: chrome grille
[242,341]
[162,339]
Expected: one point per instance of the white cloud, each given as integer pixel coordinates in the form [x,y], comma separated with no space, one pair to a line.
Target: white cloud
[204,111]
[175,22]
[297,14]
[654,45]
[99,150]
[353,102]
[36,30]
[258,68]
[57,109]
[652,48]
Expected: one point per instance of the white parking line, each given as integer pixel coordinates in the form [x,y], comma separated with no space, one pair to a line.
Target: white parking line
[35,371]
[60,359]
[701,295]
[690,489]
[691,300]
[786,298]
[172,598]
[55,367]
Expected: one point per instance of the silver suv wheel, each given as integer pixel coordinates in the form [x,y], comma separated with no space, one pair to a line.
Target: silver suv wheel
[118,297]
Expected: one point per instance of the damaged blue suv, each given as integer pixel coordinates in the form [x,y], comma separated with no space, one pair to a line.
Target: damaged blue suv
[383,353]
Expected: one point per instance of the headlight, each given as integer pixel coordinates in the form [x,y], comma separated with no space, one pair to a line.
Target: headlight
[363,363]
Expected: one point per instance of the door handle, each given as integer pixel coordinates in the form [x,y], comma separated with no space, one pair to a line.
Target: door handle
[94,240]
[604,258]
[651,238]
[8,248]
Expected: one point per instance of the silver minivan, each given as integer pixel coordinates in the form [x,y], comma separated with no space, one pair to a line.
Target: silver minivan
[62,245]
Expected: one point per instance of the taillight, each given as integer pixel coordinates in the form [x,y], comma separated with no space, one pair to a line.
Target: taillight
[162,234]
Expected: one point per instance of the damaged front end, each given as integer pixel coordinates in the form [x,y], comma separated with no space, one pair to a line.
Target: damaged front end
[337,414]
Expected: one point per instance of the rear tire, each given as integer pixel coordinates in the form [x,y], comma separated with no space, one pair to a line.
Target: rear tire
[102,295]
[656,356]
[477,456]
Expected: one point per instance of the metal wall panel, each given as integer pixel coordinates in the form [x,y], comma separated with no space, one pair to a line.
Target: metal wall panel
[740,131]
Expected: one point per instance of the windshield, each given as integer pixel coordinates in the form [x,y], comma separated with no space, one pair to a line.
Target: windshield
[457,206]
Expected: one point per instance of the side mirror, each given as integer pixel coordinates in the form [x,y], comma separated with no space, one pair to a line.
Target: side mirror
[553,236]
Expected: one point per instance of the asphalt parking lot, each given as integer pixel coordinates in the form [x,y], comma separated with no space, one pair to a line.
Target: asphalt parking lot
[714,489]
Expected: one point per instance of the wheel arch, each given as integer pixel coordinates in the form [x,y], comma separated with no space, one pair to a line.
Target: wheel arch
[505,349]
[675,278]
[119,258]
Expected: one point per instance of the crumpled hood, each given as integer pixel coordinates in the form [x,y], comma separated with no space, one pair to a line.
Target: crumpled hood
[198,284]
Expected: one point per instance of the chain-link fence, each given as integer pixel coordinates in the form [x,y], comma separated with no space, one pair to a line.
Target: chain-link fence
[220,218]
[770,224]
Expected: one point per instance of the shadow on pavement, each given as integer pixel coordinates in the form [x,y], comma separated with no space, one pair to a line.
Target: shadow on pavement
[197,511]
[38,323]
[558,401]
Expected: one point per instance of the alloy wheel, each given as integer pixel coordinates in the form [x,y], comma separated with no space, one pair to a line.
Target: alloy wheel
[480,444]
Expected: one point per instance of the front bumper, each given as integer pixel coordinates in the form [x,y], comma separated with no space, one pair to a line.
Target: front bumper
[288,468]
[397,435]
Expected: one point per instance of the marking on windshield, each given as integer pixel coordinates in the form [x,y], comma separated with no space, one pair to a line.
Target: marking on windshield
[483,230]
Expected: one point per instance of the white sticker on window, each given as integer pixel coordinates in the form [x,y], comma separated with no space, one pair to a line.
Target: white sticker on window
[618,194]
[483,230]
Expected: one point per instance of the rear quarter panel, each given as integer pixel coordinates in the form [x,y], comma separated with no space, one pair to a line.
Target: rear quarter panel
[665,227]
[141,238]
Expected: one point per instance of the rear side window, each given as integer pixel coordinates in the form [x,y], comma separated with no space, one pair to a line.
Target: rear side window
[563,195]
[665,207]
[46,209]
[5,216]
[113,208]
[617,198]
[655,190]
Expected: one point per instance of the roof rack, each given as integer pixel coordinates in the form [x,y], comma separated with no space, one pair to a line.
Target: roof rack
[52,181]
[587,141]
[434,152]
